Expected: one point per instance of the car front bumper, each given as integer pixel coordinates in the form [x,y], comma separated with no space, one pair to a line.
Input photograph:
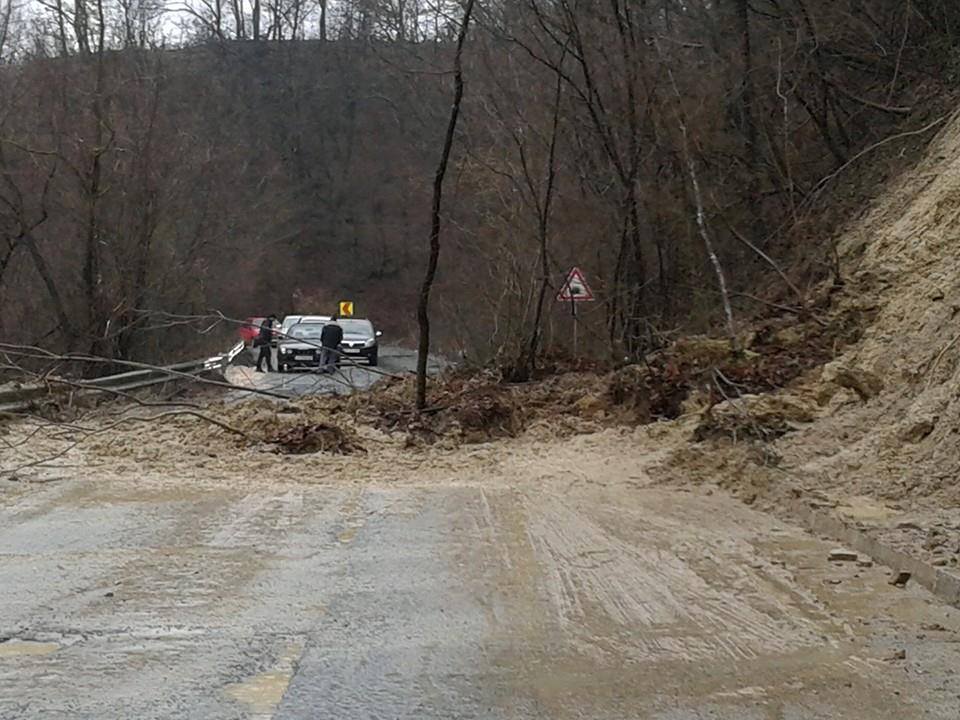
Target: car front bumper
[299,358]
[358,350]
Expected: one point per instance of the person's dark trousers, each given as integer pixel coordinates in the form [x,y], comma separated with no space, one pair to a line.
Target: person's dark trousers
[264,355]
[328,360]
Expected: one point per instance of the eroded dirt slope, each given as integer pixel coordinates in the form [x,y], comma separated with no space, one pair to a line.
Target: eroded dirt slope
[904,260]
[873,430]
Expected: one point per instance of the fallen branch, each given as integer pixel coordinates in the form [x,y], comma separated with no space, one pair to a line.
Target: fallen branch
[90,432]
[799,311]
[36,353]
[769,260]
[818,188]
[936,361]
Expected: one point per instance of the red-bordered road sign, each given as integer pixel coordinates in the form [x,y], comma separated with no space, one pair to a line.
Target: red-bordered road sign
[575,288]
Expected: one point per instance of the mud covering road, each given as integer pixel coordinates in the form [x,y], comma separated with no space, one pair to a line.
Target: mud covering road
[541,580]
[350,377]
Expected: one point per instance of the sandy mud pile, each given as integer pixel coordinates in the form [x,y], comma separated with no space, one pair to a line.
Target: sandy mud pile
[887,409]
[871,427]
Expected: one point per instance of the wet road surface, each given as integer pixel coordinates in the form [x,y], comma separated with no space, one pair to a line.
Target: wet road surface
[472,599]
[351,376]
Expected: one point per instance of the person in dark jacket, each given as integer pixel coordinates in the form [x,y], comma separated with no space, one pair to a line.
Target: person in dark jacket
[330,338]
[264,341]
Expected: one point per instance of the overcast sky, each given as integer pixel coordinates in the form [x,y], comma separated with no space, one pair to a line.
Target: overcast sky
[177,22]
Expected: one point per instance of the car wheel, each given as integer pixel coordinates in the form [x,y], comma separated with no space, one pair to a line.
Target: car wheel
[281,368]
[373,359]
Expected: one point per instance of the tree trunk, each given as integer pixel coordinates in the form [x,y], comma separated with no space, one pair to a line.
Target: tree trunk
[708,244]
[533,345]
[61,29]
[81,27]
[748,121]
[40,263]
[636,278]
[746,52]
[218,19]
[701,212]
[423,305]
[91,267]
[239,31]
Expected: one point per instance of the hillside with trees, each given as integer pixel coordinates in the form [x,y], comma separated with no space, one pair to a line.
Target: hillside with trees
[160,161]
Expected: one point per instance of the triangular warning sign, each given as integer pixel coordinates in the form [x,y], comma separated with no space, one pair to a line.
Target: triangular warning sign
[575,288]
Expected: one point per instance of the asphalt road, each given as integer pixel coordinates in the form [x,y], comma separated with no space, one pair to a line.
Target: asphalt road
[473,598]
[351,376]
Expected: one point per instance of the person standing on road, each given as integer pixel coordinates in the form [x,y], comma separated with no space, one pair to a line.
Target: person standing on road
[264,341]
[330,338]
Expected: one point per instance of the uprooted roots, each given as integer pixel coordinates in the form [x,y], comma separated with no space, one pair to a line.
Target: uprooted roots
[314,438]
[471,412]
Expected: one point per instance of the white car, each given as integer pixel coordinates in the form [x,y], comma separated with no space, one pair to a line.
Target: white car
[290,320]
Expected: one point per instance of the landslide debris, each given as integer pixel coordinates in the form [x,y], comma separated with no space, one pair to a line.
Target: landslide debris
[885,409]
[854,396]
[316,437]
[869,427]
[760,417]
[695,375]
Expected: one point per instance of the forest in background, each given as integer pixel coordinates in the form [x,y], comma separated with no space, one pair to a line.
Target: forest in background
[280,157]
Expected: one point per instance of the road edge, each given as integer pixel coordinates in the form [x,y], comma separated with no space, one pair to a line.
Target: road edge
[941,583]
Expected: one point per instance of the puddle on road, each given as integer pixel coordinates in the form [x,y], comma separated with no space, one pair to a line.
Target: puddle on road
[20,648]
[347,535]
[263,692]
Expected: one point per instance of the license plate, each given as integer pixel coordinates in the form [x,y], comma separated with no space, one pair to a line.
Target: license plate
[303,357]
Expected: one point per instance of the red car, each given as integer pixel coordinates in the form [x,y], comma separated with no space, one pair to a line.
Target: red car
[250,329]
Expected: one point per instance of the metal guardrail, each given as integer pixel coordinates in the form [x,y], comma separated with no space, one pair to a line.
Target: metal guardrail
[19,399]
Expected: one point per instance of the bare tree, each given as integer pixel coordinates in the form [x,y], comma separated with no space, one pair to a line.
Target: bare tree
[6,15]
[423,304]
[62,20]
[523,109]
[701,215]
[131,176]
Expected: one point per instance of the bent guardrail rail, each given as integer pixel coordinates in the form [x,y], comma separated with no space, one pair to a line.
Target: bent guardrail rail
[14,400]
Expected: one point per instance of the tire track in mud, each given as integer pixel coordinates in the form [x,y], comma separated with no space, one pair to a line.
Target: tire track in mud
[601,602]
[642,600]
[257,516]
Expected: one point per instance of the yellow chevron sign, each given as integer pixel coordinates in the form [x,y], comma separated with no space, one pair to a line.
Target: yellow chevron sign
[346,308]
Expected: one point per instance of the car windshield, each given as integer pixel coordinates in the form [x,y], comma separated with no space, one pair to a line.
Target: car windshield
[290,320]
[357,327]
[306,332]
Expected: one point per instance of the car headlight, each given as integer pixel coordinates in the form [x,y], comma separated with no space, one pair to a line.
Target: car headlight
[370,343]
[285,351]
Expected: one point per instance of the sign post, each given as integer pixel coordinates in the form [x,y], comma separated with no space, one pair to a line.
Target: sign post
[575,290]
